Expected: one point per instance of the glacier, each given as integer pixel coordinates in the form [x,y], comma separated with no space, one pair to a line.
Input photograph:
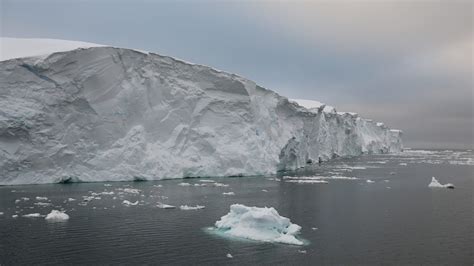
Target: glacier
[102,113]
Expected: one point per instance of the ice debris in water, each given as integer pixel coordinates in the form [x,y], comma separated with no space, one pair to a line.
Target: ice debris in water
[187,208]
[436,184]
[56,215]
[229,256]
[228,193]
[128,203]
[183,184]
[260,224]
[71,199]
[32,215]
[1,213]
[41,198]
[370,181]
[165,206]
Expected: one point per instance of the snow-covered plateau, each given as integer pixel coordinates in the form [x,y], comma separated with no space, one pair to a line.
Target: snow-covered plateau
[112,114]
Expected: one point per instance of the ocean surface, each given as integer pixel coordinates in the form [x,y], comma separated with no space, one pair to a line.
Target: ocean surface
[396,219]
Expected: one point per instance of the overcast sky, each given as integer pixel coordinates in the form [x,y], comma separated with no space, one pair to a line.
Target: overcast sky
[406,63]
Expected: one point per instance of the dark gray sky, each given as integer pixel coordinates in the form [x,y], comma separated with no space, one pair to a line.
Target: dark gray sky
[406,63]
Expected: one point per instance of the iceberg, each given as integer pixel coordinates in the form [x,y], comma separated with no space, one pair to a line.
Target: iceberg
[436,184]
[260,224]
[101,113]
[56,215]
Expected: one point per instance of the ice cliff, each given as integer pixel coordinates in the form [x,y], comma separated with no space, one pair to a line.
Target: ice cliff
[104,113]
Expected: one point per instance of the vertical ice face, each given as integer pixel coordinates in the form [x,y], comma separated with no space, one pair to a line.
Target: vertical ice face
[116,114]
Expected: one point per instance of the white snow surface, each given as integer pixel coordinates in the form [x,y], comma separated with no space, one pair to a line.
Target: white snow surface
[436,184]
[260,224]
[56,215]
[114,114]
[11,48]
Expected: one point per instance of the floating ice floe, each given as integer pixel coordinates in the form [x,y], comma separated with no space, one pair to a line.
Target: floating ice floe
[370,181]
[25,198]
[436,184]
[17,201]
[71,199]
[15,216]
[229,256]
[302,251]
[183,184]
[32,215]
[128,203]
[260,224]
[207,181]
[41,198]
[165,206]
[403,164]
[158,185]
[308,181]
[228,193]
[42,204]
[107,185]
[131,190]
[56,215]
[1,213]
[216,184]
[188,208]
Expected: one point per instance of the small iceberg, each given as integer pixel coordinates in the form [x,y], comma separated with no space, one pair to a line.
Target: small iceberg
[32,215]
[229,256]
[189,208]
[436,184]
[370,181]
[260,224]
[165,206]
[56,216]
[228,193]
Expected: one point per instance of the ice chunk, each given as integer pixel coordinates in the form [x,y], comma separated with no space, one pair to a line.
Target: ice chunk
[260,224]
[32,215]
[228,193]
[15,216]
[370,181]
[436,184]
[165,206]
[41,198]
[42,204]
[56,215]
[216,184]
[229,256]
[207,181]
[307,181]
[403,164]
[1,213]
[187,208]
[71,199]
[184,184]
[128,203]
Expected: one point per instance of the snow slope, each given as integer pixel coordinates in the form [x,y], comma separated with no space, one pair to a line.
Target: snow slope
[110,114]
